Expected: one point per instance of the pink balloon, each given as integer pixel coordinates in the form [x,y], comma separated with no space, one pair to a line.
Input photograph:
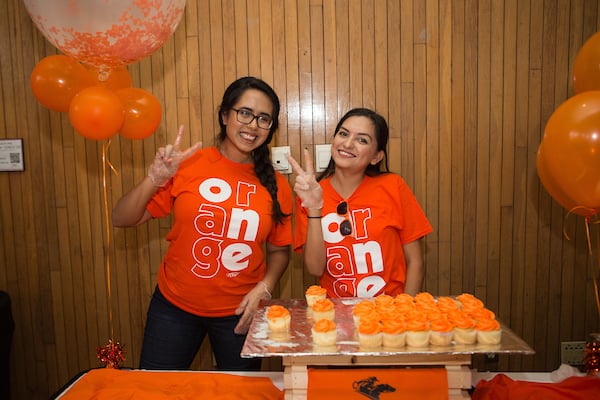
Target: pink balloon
[106,33]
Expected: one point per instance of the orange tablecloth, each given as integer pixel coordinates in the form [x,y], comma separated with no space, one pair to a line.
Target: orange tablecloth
[501,387]
[385,383]
[113,384]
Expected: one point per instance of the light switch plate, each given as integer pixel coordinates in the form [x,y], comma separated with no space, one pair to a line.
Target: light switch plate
[322,156]
[279,159]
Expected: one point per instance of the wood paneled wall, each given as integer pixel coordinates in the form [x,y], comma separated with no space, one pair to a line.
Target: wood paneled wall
[466,86]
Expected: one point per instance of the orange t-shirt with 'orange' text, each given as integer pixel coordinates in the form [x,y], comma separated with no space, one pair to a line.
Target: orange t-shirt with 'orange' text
[222,219]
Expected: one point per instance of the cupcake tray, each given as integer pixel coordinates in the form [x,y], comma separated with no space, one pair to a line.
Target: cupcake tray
[298,352]
[260,342]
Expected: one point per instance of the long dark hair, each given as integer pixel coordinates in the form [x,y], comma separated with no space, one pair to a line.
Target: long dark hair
[261,155]
[382,135]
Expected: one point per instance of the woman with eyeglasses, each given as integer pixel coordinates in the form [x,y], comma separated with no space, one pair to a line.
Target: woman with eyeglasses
[230,239]
[359,226]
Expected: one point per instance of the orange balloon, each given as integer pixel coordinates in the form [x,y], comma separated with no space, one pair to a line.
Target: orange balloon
[569,155]
[96,113]
[112,78]
[56,79]
[553,188]
[142,113]
[586,69]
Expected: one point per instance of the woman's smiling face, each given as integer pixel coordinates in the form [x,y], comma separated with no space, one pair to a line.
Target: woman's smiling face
[241,138]
[354,145]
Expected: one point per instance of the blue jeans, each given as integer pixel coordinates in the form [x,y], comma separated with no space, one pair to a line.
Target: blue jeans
[172,338]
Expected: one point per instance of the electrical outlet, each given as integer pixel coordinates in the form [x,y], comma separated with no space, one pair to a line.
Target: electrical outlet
[279,159]
[572,353]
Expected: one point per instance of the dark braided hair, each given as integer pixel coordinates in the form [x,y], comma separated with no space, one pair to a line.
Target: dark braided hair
[382,135]
[261,155]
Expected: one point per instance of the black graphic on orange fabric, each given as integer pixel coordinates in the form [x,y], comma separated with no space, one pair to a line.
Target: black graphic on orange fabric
[370,388]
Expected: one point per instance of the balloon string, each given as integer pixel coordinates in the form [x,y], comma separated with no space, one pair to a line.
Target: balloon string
[588,221]
[106,162]
[596,294]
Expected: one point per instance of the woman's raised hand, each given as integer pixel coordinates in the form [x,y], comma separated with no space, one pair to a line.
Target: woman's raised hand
[167,160]
[306,185]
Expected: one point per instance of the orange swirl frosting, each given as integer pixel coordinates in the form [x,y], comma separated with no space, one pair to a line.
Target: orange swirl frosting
[487,325]
[323,305]
[469,303]
[446,304]
[482,313]
[393,326]
[435,315]
[369,326]
[424,297]
[277,311]
[426,307]
[389,313]
[324,325]
[461,319]
[316,290]
[364,304]
[416,325]
[404,298]
[384,300]
[405,307]
[441,325]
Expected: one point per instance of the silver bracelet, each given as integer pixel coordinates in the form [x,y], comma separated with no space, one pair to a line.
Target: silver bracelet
[266,289]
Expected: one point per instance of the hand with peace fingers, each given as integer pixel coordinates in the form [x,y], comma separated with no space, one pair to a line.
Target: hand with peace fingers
[167,160]
[306,185]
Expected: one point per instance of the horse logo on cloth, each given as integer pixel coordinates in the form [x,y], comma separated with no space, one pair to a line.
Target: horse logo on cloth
[370,388]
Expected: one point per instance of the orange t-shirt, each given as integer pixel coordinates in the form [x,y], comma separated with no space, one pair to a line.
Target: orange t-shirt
[222,219]
[384,215]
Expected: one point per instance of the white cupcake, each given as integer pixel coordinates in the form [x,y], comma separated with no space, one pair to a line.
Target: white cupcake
[324,332]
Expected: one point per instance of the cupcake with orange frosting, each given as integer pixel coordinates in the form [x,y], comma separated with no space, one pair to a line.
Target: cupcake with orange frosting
[464,327]
[386,309]
[278,318]
[324,332]
[424,298]
[425,303]
[383,300]
[404,298]
[417,330]
[482,313]
[404,307]
[323,309]
[441,332]
[394,332]
[469,303]
[365,308]
[369,333]
[314,293]
[488,331]
[446,304]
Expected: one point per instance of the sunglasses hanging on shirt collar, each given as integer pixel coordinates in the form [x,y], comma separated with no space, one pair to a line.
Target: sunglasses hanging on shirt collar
[345,226]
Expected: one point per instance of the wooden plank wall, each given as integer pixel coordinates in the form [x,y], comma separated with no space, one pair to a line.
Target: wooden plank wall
[467,87]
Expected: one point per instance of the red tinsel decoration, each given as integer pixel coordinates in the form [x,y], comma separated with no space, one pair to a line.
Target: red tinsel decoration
[592,355]
[111,355]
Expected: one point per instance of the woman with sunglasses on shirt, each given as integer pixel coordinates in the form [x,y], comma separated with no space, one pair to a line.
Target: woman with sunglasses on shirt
[358,225]
[231,234]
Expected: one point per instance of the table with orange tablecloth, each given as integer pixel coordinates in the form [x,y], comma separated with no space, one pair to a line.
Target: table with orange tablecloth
[114,384]
[310,369]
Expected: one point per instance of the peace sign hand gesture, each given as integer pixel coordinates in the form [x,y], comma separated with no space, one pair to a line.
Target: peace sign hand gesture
[306,185]
[167,160]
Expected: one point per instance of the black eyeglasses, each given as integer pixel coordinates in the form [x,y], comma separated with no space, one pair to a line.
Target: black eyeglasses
[345,226]
[245,116]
